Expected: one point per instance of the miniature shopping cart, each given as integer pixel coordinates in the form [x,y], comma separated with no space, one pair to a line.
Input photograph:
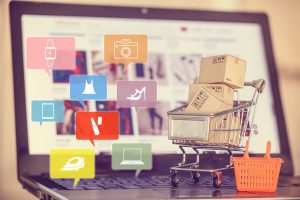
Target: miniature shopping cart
[223,131]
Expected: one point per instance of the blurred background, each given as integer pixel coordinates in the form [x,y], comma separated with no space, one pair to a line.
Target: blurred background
[284,17]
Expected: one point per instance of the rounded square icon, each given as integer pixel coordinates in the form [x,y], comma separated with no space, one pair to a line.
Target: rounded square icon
[136,94]
[50,53]
[47,110]
[72,163]
[125,48]
[135,156]
[88,87]
[97,126]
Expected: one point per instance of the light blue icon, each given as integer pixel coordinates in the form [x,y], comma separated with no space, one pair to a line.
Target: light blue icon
[47,111]
[83,87]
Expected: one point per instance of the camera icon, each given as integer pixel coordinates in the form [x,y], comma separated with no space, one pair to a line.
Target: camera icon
[126,49]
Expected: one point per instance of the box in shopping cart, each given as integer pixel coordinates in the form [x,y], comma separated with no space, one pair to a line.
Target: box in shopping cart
[225,69]
[207,100]
[226,92]
[227,128]
[224,128]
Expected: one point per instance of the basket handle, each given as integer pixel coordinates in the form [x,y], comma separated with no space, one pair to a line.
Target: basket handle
[246,154]
[258,84]
[268,150]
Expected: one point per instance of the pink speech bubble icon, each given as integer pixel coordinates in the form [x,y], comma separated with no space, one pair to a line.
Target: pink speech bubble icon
[49,53]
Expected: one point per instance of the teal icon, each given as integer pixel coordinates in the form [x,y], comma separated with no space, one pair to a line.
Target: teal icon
[131,156]
[47,111]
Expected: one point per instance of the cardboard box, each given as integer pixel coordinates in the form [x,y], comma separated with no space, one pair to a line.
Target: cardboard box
[224,129]
[225,69]
[207,100]
[223,90]
[217,126]
[234,136]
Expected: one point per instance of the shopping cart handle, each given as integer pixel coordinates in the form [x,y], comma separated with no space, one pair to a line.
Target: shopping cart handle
[258,84]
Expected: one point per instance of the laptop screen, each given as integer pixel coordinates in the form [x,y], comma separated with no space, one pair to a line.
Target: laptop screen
[175,51]
[132,154]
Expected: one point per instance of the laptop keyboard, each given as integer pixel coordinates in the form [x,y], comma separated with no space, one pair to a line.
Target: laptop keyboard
[104,183]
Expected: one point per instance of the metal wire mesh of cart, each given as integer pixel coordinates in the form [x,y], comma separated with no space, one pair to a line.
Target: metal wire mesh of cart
[228,130]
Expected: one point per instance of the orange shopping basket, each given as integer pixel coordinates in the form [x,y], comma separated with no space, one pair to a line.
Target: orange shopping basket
[257,174]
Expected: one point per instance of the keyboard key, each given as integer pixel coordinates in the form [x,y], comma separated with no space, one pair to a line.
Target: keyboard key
[145,185]
[111,187]
[92,185]
[130,186]
[74,188]
[89,187]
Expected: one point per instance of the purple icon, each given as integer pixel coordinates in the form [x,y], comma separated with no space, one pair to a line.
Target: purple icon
[136,94]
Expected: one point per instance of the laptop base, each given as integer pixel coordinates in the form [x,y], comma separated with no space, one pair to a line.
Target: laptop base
[158,187]
[132,162]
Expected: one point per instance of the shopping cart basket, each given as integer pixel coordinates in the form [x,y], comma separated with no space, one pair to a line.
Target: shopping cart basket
[257,174]
[228,130]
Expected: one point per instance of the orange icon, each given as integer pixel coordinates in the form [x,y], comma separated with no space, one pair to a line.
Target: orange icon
[125,49]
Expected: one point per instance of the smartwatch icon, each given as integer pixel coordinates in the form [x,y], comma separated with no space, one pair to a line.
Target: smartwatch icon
[50,53]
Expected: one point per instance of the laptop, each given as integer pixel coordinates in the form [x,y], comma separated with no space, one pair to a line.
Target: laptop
[177,40]
[132,156]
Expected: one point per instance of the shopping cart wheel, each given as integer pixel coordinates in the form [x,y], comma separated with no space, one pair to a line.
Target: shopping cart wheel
[174,178]
[195,175]
[217,179]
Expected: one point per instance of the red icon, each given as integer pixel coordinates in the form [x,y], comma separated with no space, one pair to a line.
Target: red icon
[97,126]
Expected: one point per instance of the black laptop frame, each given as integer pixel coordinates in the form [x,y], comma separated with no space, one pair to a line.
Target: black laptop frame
[37,164]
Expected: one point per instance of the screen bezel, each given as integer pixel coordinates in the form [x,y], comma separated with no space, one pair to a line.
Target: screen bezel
[36,164]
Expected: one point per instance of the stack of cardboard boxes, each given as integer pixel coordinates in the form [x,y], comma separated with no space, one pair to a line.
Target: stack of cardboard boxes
[214,92]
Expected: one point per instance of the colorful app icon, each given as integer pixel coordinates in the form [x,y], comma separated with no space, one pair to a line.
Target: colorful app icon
[126,48]
[72,163]
[136,94]
[135,156]
[97,126]
[50,53]
[83,87]
[47,111]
